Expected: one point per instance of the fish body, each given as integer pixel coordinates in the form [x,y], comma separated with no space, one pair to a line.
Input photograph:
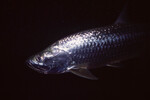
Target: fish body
[105,45]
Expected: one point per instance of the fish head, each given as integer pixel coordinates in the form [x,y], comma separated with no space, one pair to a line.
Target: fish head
[50,61]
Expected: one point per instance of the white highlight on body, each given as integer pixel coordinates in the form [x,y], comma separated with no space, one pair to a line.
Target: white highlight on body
[75,42]
[48,55]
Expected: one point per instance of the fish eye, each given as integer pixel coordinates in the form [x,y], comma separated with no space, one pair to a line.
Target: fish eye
[38,58]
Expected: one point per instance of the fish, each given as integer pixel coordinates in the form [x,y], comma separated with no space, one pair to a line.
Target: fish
[106,46]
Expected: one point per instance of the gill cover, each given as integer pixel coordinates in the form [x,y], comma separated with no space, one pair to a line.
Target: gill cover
[58,60]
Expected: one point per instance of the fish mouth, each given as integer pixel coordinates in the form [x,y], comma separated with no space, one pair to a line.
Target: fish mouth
[37,67]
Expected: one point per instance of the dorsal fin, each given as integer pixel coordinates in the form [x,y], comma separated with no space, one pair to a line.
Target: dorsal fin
[123,17]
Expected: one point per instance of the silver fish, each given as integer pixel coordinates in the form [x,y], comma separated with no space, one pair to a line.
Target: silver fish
[105,46]
[75,53]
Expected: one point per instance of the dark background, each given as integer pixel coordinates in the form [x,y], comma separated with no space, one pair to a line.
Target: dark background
[30,26]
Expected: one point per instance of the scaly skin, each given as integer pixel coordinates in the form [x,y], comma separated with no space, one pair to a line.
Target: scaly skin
[103,45]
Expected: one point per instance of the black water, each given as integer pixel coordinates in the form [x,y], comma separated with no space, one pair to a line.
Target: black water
[31,26]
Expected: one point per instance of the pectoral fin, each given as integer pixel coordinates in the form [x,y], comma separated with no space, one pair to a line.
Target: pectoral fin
[116,64]
[83,72]
[110,65]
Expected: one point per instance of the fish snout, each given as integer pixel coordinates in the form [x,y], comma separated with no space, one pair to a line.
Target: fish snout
[38,66]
